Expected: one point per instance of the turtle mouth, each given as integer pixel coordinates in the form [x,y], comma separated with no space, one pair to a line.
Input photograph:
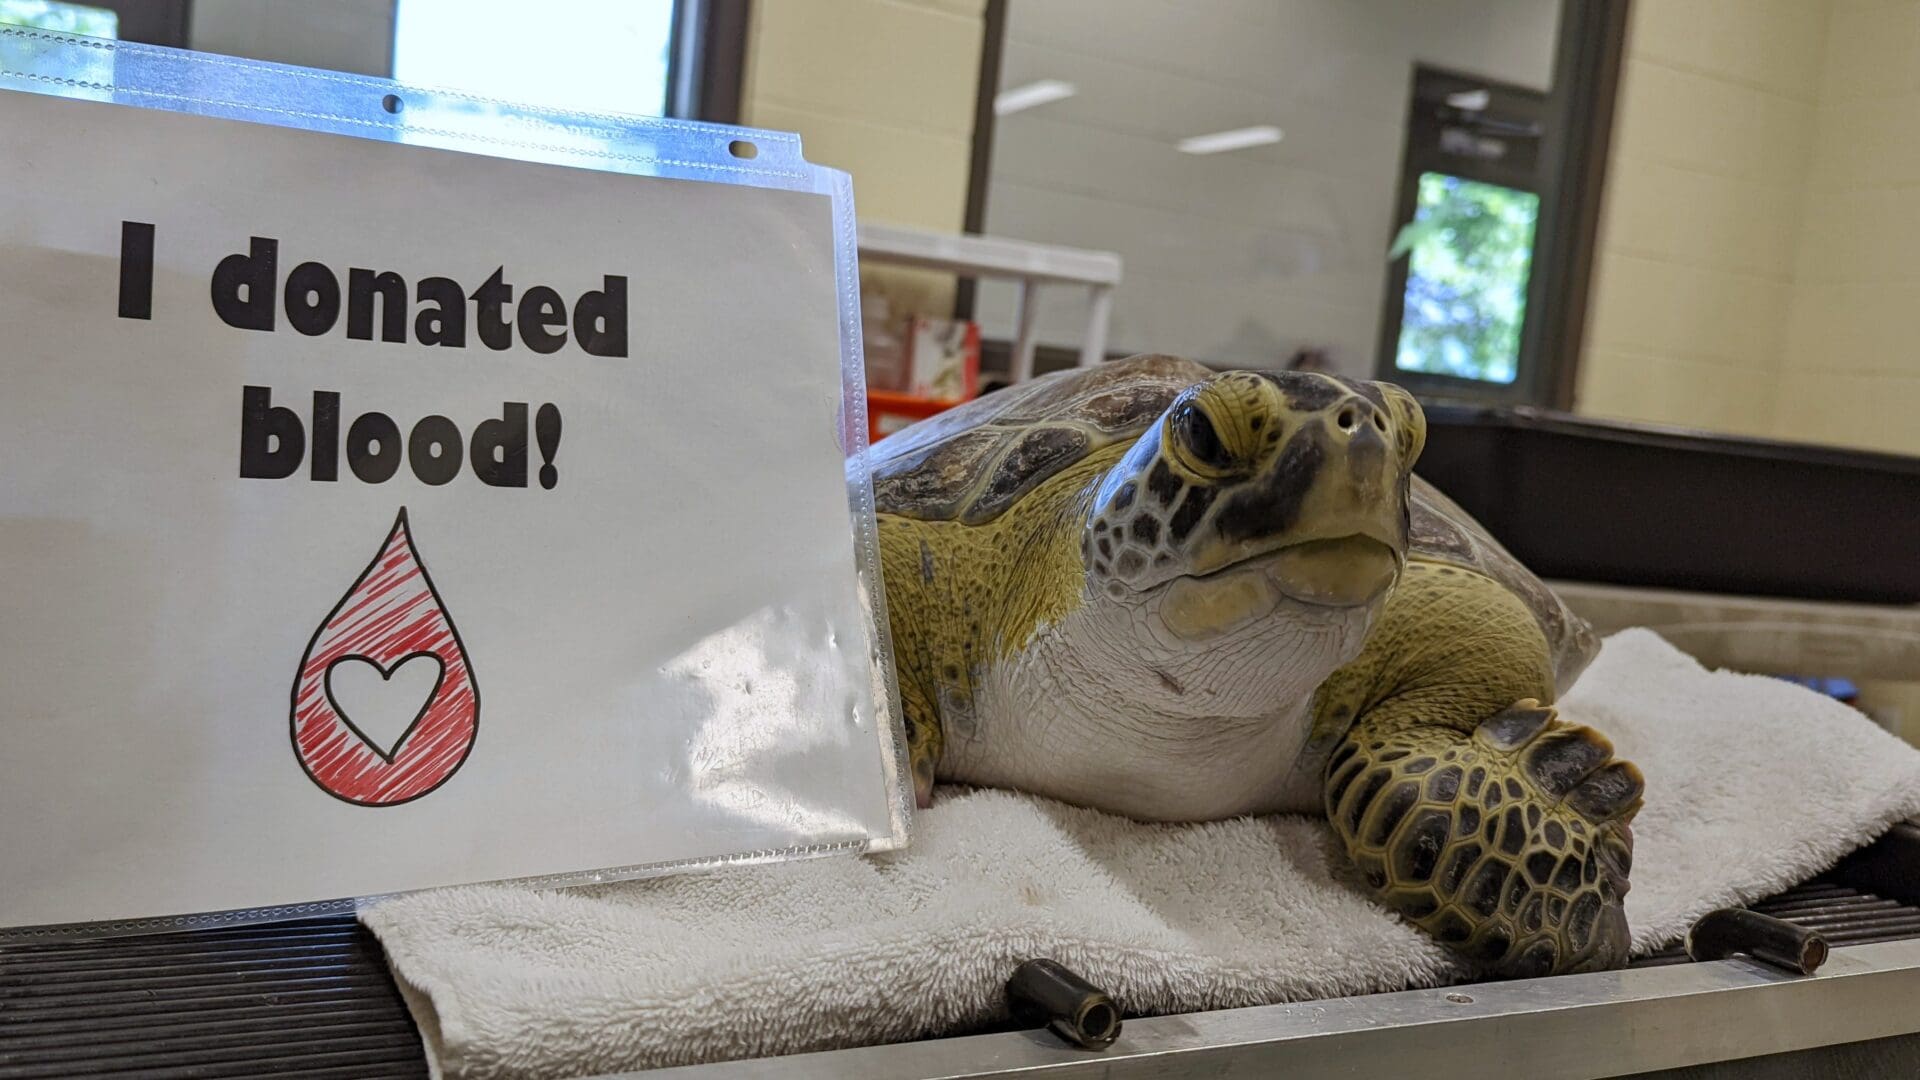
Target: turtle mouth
[1345,571]
[1331,573]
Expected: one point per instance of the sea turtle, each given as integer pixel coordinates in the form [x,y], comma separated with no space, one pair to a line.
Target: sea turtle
[1178,595]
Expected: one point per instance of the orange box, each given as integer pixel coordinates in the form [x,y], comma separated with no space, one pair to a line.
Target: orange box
[888,412]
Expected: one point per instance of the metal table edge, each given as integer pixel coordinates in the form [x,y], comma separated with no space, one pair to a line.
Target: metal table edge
[1573,1027]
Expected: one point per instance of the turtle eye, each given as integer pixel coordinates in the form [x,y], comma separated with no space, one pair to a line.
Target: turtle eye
[1200,440]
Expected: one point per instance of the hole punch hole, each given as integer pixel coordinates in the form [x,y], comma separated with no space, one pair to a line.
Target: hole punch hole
[392,103]
[743,149]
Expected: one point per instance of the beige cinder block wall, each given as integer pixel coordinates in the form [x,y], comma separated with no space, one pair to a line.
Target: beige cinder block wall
[1755,270]
[1694,266]
[884,89]
[1850,372]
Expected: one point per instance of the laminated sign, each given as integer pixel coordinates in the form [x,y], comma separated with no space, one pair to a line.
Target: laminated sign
[405,490]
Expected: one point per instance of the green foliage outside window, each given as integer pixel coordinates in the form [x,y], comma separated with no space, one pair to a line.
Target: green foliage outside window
[54,15]
[1466,298]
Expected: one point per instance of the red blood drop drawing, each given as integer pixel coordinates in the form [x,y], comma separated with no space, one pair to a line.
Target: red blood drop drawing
[392,618]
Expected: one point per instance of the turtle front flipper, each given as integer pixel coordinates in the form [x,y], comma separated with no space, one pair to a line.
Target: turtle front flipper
[1467,806]
[1510,843]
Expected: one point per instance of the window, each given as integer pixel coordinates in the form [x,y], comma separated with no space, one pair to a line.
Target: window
[56,15]
[154,22]
[598,56]
[1470,249]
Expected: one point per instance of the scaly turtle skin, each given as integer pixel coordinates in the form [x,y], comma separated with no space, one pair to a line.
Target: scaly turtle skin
[1184,596]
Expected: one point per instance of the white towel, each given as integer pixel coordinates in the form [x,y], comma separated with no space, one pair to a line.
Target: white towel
[1753,784]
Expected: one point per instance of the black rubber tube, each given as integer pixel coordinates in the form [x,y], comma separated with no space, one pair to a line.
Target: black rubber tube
[1732,931]
[1043,992]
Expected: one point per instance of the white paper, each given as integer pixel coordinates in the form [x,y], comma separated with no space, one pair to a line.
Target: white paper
[663,657]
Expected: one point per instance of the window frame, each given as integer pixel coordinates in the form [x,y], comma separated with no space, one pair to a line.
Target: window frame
[152,22]
[707,59]
[1567,172]
[1510,107]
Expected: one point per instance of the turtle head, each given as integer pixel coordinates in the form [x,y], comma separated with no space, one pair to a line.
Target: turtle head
[1255,489]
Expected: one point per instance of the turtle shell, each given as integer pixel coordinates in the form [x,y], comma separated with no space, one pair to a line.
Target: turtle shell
[972,462]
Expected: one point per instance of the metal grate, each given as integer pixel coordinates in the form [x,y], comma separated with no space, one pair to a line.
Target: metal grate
[309,999]
[1841,913]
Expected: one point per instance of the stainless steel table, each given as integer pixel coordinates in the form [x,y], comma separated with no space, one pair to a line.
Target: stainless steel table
[1605,1024]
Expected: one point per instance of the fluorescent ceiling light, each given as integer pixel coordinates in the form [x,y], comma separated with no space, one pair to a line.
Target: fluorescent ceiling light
[1220,142]
[1031,95]
[1470,100]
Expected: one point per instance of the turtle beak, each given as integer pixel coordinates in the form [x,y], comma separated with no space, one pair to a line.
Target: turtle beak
[1343,572]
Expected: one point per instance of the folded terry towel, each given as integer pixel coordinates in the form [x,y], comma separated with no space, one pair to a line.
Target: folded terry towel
[1753,785]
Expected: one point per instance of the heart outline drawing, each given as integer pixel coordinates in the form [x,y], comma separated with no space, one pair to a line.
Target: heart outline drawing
[386,678]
